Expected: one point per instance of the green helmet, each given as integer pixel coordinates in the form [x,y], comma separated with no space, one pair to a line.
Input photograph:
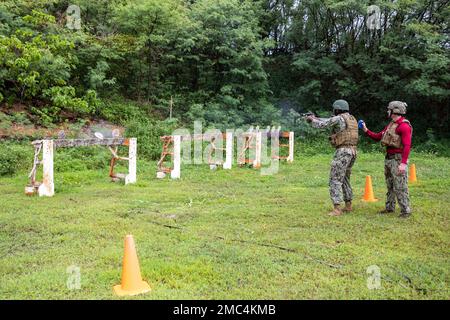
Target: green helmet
[398,107]
[341,105]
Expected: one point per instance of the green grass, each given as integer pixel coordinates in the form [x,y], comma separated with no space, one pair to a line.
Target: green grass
[227,234]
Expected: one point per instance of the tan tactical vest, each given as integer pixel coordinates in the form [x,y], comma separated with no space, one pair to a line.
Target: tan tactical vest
[348,136]
[391,138]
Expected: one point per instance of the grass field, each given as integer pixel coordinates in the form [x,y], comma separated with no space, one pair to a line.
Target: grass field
[227,234]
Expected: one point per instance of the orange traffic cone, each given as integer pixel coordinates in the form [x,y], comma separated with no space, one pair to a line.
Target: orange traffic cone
[368,192]
[412,173]
[132,282]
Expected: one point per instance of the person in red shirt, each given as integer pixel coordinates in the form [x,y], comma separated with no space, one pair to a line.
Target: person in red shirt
[396,137]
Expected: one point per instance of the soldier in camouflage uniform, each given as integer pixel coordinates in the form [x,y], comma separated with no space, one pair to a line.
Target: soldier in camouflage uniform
[396,137]
[344,138]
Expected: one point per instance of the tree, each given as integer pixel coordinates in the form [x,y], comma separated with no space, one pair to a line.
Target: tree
[225,58]
[36,64]
[151,28]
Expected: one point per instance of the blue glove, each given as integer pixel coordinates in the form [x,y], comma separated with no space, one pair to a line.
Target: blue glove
[361,124]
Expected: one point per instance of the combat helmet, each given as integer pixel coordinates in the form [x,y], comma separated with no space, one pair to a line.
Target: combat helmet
[341,105]
[398,107]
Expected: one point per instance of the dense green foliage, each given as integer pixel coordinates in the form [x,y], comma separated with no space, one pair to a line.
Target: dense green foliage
[227,62]
[13,158]
[324,50]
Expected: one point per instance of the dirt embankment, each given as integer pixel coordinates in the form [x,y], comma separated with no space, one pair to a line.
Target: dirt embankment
[18,124]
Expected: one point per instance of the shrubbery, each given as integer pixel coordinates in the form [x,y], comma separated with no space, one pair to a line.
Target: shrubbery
[433,145]
[36,65]
[14,158]
[119,111]
[148,133]
[82,158]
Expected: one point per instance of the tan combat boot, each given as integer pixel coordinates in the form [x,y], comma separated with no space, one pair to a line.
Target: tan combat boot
[348,206]
[337,211]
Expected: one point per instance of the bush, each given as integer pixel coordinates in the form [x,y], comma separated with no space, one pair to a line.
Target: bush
[40,62]
[148,133]
[82,158]
[64,98]
[5,121]
[433,145]
[20,118]
[14,158]
[118,111]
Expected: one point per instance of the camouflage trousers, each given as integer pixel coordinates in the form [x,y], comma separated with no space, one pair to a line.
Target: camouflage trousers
[397,185]
[341,169]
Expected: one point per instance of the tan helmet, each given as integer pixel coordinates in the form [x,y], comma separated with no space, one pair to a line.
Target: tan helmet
[398,107]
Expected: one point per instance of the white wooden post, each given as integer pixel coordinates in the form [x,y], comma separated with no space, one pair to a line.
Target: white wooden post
[47,188]
[291,147]
[228,151]
[176,171]
[257,161]
[132,152]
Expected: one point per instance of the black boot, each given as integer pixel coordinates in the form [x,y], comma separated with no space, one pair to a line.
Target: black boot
[405,215]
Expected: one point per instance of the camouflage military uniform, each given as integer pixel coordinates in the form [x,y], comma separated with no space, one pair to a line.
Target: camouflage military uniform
[397,185]
[343,161]
[396,137]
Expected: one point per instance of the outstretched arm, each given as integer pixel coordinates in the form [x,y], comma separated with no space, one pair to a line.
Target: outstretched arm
[322,123]
[373,135]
